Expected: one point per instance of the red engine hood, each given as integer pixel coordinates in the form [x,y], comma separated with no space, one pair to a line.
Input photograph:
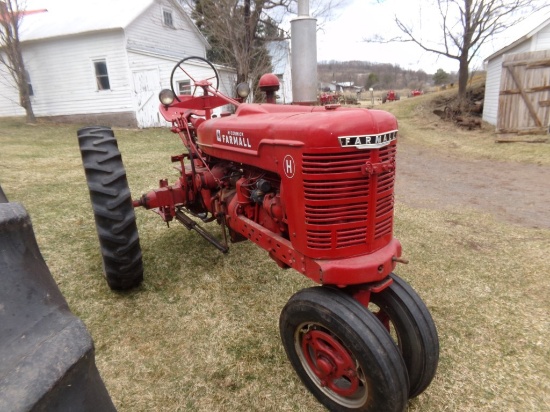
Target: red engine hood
[256,127]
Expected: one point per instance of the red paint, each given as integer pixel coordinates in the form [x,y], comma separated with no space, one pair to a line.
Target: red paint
[301,182]
[329,360]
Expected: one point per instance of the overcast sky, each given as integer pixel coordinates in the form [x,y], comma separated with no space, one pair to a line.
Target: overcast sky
[342,38]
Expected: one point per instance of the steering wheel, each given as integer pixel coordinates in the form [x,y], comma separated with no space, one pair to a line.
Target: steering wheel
[193,72]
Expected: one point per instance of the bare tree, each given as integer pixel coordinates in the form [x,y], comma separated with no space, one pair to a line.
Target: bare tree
[11,56]
[233,29]
[239,29]
[465,25]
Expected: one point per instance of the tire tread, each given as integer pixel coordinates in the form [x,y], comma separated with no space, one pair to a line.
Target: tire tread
[113,209]
[420,330]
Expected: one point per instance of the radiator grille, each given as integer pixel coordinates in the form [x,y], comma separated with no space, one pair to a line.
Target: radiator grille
[334,164]
[339,198]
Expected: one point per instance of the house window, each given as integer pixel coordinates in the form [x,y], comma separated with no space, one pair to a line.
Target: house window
[184,87]
[101,75]
[29,84]
[167,18]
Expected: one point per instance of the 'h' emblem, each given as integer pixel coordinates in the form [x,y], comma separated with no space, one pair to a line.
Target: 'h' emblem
[289,166]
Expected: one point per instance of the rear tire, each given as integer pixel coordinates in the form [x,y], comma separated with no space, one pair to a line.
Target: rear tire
[113,210]
[342,353]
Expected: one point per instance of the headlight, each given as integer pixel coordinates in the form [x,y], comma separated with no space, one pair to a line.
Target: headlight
[243,90]
[166,97]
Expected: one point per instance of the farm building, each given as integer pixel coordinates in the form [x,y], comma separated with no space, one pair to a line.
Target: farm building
[279,51]
[105,61]
[348,87]
[517,91]
[327,86]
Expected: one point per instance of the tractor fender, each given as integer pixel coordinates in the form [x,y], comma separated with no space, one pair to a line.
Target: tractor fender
[47,358]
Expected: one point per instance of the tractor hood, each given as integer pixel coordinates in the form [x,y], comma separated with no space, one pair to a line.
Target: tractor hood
[258,127]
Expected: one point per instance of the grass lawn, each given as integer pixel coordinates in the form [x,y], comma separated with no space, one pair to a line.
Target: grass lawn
[201,333]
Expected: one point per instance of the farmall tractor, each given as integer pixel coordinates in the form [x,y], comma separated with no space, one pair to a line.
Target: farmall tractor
[390,96]
[311,185]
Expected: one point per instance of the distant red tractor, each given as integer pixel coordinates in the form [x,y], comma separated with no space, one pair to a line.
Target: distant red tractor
[328,98]
[314,187]
[415,93]
[390,96]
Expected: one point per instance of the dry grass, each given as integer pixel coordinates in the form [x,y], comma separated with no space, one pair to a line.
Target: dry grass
[418,124]
[201,334]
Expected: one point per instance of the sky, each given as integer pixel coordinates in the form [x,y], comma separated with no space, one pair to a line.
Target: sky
[342,38]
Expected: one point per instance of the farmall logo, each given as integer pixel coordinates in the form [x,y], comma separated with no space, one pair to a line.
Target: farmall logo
[233,138]
[375,141]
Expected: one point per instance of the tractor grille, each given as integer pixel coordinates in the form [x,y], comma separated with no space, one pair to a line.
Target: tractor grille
[344,207]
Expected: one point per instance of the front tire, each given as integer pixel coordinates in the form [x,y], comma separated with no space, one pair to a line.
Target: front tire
[342,353]
[113,210]
[404,314]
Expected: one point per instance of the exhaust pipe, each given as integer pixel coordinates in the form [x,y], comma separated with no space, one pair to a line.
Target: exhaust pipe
[303,31]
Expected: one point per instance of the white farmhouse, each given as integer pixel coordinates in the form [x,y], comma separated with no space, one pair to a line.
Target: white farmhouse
[105,61]
[517,90]
[279,51]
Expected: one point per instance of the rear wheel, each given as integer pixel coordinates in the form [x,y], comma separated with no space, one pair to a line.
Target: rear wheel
[342,354]
[113,210]
[406,317]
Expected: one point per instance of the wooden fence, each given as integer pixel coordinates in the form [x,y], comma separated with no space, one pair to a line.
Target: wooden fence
[524,100]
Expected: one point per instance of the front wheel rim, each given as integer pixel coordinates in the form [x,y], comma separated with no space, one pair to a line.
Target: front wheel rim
[330,365]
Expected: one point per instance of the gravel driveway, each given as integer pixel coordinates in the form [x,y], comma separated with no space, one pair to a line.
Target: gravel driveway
[513,192]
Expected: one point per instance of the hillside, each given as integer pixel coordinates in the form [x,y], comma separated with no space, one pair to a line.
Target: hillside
[379,76]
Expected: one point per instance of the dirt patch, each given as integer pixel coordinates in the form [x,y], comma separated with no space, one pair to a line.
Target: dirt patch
[513,192]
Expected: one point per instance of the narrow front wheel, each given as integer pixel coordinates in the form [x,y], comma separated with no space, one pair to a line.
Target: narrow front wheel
[406,317]
[342,353]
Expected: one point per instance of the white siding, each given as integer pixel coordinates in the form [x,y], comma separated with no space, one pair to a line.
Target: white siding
[139,62]
[143,61]
[148,33]
[286,85]
[62,75]
[152,46]
[492,87]
[279,52]
[9,97]
[541,40]
[492,84]
[228,81]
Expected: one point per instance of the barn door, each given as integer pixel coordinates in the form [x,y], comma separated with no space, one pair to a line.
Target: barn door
[524,101]
[146,89]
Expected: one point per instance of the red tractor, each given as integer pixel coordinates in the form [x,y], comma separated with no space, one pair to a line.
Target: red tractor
[390,96]
[311,185]
[328,98]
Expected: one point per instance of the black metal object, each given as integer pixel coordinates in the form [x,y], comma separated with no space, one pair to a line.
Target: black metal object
[3,198]
[190,224]
[47,358]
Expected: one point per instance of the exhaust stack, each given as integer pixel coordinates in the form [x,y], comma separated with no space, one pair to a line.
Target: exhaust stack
[304,56]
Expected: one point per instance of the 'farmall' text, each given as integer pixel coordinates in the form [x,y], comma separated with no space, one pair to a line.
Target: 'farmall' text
[368,142]
[233,138]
